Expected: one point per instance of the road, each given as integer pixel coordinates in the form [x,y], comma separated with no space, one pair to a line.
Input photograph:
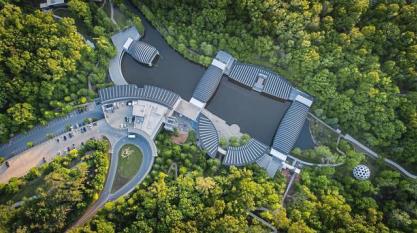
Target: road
[48,150]
[149,152]
[39,134]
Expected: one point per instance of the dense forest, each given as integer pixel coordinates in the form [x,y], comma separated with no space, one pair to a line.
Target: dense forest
[358,60]
[46,65]
[189,192]
[51,197]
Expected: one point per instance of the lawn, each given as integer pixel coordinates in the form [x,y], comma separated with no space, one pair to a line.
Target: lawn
[130,159]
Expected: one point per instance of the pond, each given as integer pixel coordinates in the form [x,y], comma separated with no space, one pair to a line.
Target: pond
[256,114]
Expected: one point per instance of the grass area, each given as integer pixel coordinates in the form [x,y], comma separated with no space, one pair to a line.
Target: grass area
[130,159]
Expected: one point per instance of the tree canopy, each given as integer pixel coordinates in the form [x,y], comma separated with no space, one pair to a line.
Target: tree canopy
[46,67]
[357,60]
[54,195]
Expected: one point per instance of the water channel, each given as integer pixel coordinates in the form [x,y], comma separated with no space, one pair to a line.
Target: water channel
[256,114]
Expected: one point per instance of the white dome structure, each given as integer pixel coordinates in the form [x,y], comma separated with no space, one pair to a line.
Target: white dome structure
[361,172]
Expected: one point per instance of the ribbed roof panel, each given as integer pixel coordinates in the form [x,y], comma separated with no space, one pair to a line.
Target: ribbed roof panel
[127,92]
[247,75]
[245,154]
[290,127]
[208,84]
[207,134]
[142,52]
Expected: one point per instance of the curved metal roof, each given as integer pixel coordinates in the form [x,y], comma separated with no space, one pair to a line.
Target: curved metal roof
[207,134]
[208,84]
[245,154]
[142,52]
[290,127]
[244,74]
[247,75]
[127,92]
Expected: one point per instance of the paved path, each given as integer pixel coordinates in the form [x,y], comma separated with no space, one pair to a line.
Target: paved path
[361,147]
[118,40]
[366,150]
[269,225]
[39,134]
[112,12]
[313,164]
[288,187]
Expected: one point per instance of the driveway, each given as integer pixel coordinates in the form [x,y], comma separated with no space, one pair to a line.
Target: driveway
[47,151]
[149,151]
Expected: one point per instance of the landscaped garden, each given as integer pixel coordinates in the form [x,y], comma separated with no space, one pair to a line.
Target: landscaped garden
[130,159]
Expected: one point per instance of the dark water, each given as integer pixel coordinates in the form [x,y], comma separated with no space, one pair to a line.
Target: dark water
[172,71]
[255,114]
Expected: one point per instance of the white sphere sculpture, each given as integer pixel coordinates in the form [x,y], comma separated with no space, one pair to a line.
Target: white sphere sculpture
[361,172]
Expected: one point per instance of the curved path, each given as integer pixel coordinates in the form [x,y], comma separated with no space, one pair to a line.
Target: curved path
[112,12]
[149,152]
[401,169]
[118,40]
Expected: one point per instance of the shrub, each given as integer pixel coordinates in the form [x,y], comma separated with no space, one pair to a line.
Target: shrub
[244,139]
[234,141]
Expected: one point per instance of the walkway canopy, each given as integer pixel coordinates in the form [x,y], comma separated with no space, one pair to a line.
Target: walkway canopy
[291,125]
[208,84]
[141,51]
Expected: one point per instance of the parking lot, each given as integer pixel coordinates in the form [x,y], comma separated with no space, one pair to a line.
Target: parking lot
[40,134]
[60,145]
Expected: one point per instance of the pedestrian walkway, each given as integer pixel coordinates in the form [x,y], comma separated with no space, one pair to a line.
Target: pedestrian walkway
[118,40]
